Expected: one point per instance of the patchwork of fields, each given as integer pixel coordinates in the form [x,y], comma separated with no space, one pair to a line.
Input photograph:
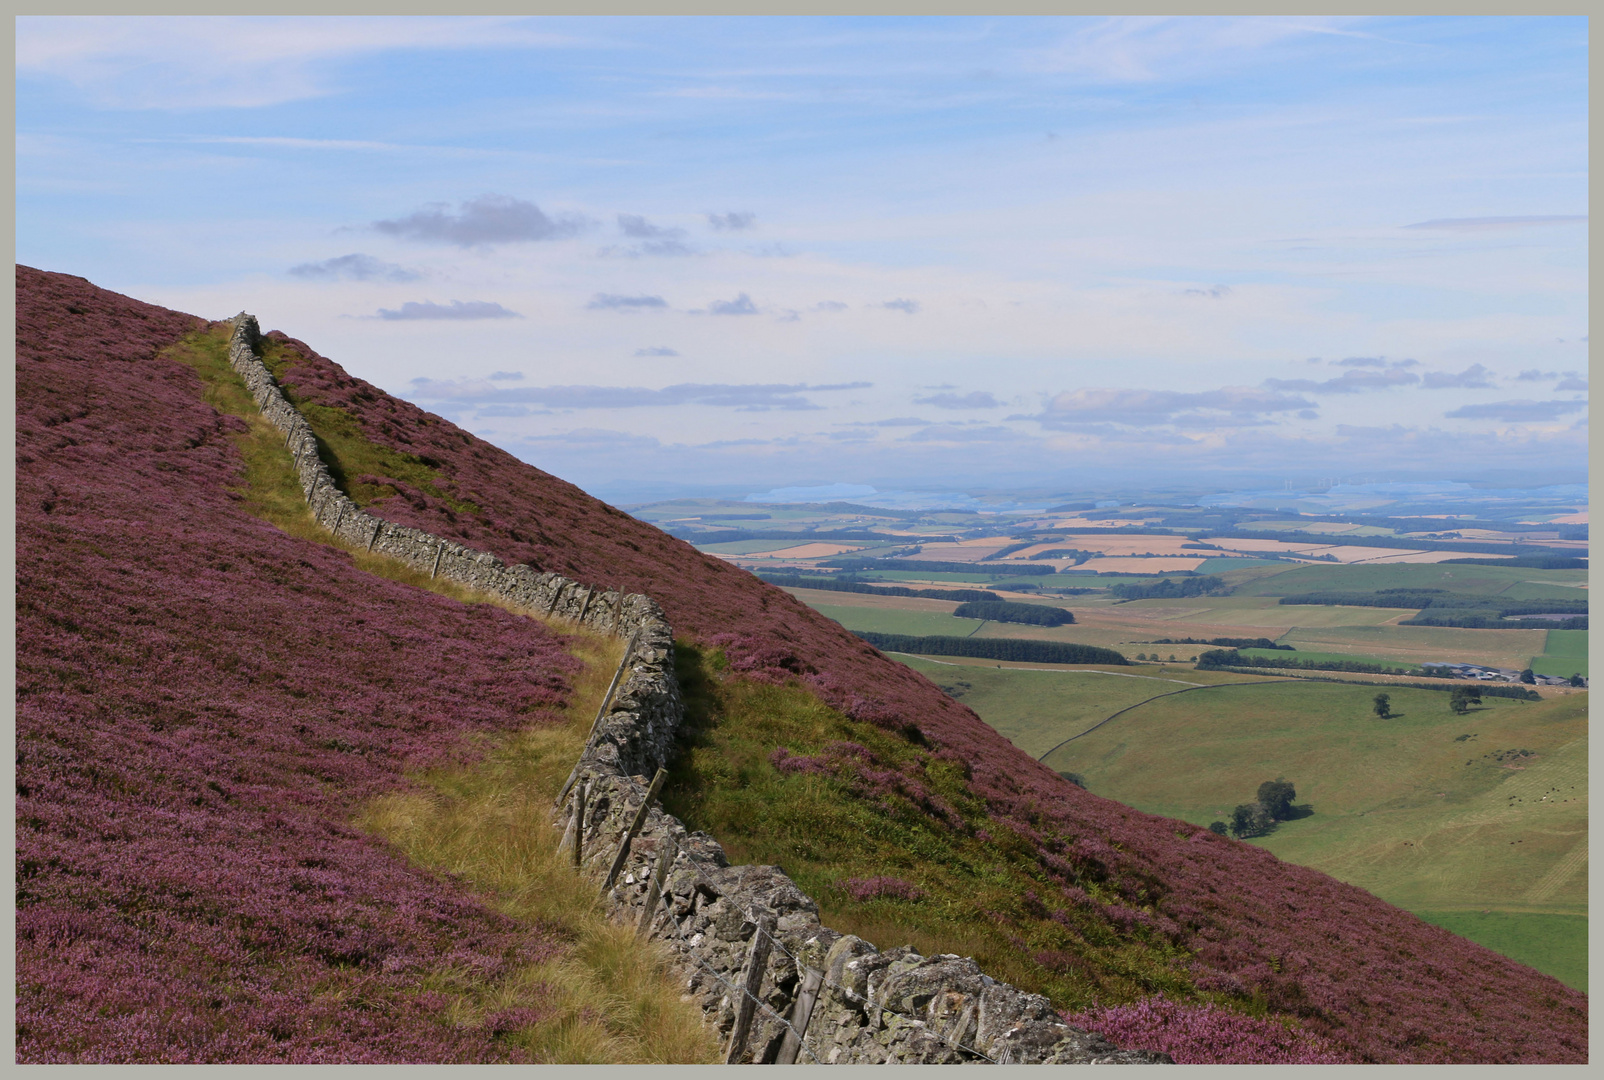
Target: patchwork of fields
[1419,808]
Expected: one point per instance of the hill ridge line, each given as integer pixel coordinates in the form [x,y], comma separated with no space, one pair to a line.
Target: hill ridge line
[714,908]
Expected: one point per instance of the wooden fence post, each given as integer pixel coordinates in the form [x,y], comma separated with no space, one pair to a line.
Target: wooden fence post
[555,596]
[801,1013]
[579,823]
[584,605]
[757,961]
[335,528]
[439,550]
[667,852]
[374,539]
[607,700]
[634,827]
[618,606]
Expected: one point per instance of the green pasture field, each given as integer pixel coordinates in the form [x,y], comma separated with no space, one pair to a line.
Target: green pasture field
[1555,944]
[1215,564]
[1564,654]
[1544,590]
[1403,807]
[1479,580]
[1420,644]
[889,620]
[1036,710]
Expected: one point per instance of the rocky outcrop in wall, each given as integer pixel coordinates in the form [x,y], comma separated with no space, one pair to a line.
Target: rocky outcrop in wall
[873,1007]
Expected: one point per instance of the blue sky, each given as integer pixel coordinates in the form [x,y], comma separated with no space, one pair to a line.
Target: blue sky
[727,254]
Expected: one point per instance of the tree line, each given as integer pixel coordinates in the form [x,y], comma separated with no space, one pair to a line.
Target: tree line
[1169,588]
[1020,650]
[1230,658]
[1009,611]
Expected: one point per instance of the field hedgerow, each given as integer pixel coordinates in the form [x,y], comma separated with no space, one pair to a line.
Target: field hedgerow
[1249,932]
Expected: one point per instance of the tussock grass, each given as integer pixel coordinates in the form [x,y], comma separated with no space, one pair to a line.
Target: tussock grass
[604,998]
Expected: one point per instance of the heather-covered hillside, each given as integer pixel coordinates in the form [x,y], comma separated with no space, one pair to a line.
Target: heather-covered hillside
[148,681]
[202,703]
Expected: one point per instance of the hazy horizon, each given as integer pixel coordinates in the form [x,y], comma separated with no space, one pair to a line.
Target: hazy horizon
[729,256]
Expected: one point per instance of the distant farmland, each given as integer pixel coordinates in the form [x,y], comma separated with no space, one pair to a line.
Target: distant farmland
[1402,807]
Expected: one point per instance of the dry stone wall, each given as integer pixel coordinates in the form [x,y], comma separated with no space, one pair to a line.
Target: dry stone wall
[874,1007]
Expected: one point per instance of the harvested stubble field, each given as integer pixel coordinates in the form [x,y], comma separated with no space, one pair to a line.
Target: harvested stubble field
[1418,644]
[1038,709]
[1362,633]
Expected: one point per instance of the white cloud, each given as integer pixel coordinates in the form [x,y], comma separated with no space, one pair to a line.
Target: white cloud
[178,62]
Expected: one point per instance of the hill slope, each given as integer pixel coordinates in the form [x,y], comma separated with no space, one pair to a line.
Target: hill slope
[203,704]
[1382,984]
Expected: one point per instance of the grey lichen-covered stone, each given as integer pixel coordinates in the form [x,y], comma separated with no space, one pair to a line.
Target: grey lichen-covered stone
[874,1007]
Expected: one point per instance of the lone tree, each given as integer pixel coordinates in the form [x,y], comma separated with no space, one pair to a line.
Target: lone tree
[1577,680]
[1276,797]
[1463,698]
[1217,828]
[1383,705]
[1528,677]
[1250,819]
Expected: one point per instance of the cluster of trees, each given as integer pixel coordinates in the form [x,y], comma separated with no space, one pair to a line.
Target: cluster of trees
[1257,818]
[1170,589]
[1004,552]
[1229,658]
[1525,562]
[1474,620]
[1439,607]
[1009,611]
[1227,642]
[1411,542]
[1460,701]
[1021,650]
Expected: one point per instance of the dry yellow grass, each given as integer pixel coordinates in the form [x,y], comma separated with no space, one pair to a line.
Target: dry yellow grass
[608,998]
